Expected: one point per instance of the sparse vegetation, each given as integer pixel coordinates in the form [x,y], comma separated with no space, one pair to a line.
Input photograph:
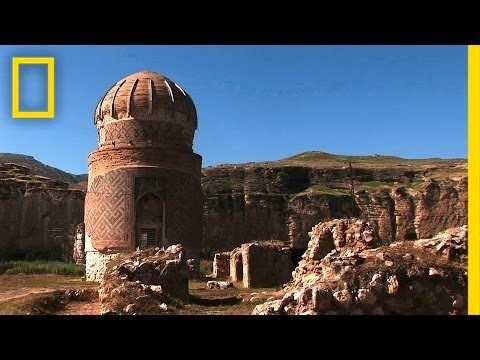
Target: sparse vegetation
[413,184]
[36,168]
[375,184]
[325,190]
[233,301]
[206,267]
[323,158]
[41,267]
[322,189]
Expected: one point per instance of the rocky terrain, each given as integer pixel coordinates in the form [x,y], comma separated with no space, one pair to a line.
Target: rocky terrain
[38,168]
[343,272]
[282,200]
[38,214]
[145,282]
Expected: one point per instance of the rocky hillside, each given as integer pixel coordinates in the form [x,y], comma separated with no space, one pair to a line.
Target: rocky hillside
[343,272]
[38,168]
[38,214]
[402,198]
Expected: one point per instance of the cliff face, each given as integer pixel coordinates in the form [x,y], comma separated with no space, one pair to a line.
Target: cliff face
[38,216]
[402,199]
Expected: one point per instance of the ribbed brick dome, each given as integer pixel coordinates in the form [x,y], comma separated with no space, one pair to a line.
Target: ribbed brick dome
[146,108]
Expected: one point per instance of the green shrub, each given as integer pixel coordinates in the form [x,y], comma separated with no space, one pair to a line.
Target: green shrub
[41,267]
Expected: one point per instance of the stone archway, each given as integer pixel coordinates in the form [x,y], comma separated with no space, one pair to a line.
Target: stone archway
[149,221]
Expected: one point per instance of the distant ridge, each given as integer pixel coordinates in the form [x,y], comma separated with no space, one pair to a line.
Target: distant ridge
[38,168]
[307,158]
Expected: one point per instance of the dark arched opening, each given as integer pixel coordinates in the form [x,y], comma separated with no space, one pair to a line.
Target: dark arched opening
[149,222]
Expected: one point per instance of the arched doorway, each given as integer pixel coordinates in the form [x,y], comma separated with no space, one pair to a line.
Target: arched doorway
[149,221]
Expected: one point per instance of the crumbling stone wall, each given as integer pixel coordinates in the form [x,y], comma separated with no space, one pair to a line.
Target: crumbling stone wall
[427,276]
[79,245]
[236,265]
[221,265]
[266,265]
[95,261]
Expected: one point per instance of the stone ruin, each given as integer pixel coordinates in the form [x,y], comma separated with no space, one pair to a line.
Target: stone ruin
[427,276]
[236,265]
[259,264]
[150,281]
[79,245]
[221,265]
[266,265]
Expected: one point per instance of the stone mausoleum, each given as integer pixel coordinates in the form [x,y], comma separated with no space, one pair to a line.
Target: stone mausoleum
[144,186]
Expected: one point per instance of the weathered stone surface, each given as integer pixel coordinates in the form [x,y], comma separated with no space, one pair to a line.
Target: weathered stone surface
[194,268]
[79,245]
[38,216]
[253,202]
[145,282]
[366,296]
[265,265]
[353,279]
[221,266]
[236,265]
[219,285]
[354,234]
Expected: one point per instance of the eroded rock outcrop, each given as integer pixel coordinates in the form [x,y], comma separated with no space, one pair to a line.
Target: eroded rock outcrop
[38,216]
[401,200]
[427,276]
[145,282]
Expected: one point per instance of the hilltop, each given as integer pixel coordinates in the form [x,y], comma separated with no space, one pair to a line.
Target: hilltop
[38,168]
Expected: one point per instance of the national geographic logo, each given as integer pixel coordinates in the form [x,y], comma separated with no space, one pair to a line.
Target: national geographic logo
[50,62]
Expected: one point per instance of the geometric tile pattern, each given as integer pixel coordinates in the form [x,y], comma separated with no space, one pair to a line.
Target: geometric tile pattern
[111,199]
[106,210]
[156,131]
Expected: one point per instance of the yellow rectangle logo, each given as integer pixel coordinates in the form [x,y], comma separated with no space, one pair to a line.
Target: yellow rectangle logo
[473,180]
[50,62]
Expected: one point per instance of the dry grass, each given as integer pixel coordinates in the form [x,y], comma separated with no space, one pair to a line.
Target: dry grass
[322,189]
[20,294]
[224,301]
[318,158]
[39,294]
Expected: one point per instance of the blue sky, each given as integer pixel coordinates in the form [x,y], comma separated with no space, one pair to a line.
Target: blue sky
[256,103]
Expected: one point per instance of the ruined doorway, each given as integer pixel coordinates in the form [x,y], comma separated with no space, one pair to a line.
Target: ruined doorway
[149,222]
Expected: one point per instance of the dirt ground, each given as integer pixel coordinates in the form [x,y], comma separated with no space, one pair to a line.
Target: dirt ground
[38,294]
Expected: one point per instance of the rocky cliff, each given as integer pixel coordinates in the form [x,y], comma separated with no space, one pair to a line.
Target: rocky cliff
[401,198]
[38,215]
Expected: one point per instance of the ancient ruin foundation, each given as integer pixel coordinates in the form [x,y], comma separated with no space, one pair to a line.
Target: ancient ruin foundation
[144,180]
[266,265]
[221,265]
[259,264]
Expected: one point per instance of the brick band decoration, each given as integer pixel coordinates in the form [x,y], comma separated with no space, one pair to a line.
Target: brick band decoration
[145,125]
[152,132]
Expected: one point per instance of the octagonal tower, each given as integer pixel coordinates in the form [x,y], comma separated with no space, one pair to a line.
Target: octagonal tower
[144,186]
